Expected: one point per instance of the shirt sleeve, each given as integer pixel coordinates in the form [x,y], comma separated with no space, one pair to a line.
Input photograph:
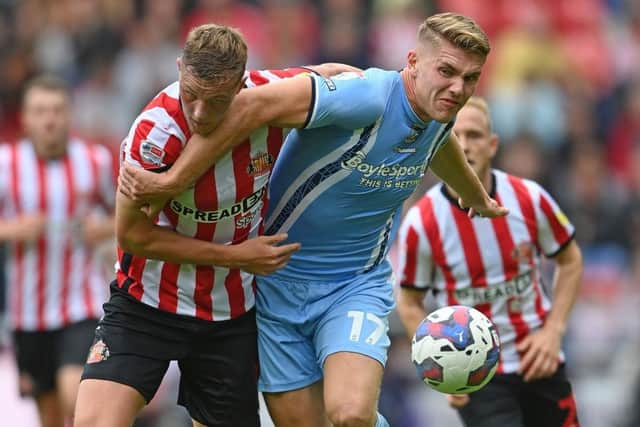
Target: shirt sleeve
[151,144]
[415,262]
[555,230]
[349,100]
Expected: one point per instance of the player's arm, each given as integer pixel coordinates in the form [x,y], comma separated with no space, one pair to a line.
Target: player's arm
[415,267]
[450,165]
[410,305]
[566,285]
[137,234]
[311,101]
[541,348]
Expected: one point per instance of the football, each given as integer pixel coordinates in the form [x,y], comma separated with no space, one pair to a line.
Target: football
[456,350]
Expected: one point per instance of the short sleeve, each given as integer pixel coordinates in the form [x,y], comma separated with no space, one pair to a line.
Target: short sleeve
[349,100]
[555,230]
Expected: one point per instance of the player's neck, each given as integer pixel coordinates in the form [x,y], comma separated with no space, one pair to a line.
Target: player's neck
[410,89]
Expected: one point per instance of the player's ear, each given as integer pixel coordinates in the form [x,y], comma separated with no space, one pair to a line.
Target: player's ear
[494,143]
[179,62]
[412,58]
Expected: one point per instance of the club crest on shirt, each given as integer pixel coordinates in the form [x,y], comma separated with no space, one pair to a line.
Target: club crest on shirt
[151,153]
[260,164]
[98,352]
[523,252]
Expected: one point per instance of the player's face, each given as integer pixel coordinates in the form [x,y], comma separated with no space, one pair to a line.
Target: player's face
[205,104]
[46,119]
[445,77]
[478,142]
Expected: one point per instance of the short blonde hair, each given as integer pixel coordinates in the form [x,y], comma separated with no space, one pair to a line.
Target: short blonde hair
[215,53]
[459,30]
[480,104]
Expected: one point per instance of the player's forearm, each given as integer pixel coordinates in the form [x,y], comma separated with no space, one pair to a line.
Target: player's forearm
[411,311]
[450,165]
[137,234]
[566,285]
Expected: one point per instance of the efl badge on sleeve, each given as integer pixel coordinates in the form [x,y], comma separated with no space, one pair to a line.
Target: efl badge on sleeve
[151,153]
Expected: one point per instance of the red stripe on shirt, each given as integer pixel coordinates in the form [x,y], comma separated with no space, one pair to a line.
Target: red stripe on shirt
[68,242]
[559,231]
[411,259]
[241,156]
[206,198]
[472,254]
[510,265]
[19,246]
[430,224]
[257,78]
[173,108]
[526,207]
[41,282]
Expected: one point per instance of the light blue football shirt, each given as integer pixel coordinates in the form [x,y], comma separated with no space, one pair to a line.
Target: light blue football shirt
[339,183]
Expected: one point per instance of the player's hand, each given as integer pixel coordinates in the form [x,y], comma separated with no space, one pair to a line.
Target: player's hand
[92,230]
[262,255]
[457,401]
[143,186]
[29,228]
[540,353]
[489,209]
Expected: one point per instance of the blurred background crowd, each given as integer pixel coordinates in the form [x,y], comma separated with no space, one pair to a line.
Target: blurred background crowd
[563,83]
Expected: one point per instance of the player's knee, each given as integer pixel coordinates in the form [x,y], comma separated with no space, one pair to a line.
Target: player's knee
[351,415]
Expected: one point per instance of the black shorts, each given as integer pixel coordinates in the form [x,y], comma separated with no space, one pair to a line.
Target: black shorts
[40,354]
[507,401]
[218,361]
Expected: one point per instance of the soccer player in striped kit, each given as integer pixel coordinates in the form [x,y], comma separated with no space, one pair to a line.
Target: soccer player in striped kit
[52,188]
[494,266]
[185,288]
[338,189]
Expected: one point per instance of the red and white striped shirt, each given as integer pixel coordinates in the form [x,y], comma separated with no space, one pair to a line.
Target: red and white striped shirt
[55,280]
[490,264]
[226,206]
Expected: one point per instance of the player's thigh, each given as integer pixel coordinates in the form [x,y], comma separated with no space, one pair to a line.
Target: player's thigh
[218,383]
[356,320]
[34,353]
[303,407]
[550,402]
[287,357]
[495,405]
[351,386]
[104,403]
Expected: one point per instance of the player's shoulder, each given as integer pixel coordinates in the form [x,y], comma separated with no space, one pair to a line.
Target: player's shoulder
[507,180]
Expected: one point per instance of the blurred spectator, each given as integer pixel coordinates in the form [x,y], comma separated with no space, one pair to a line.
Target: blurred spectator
[393,30]
[238,14]
[344,33]
[295,42]
[591,198]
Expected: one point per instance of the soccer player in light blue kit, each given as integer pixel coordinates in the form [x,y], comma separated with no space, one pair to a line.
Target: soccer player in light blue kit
[337,188]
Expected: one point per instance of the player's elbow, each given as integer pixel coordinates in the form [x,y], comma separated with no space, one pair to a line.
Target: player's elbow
[131,240]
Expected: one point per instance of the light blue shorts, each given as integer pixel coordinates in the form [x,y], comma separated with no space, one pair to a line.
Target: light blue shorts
[301,323]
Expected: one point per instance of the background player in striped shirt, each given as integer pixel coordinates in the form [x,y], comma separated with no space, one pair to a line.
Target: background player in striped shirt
[55,191]
[338,188]
[494,265]
[181,295]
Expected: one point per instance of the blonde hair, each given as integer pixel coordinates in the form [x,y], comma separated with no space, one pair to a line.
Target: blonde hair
[215,53]
[480,104]
[459,30]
